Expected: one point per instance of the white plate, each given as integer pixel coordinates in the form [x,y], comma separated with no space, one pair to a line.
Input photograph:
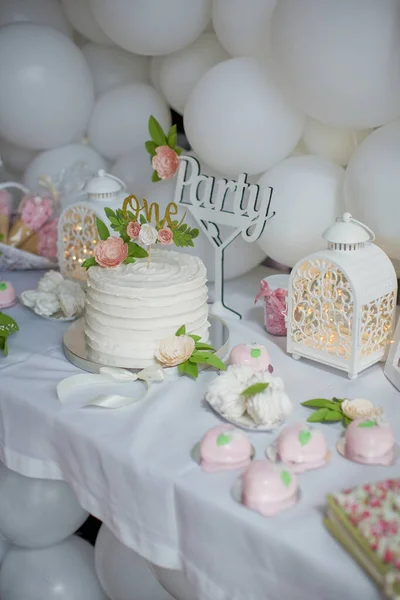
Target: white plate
[247,423]
[55,317]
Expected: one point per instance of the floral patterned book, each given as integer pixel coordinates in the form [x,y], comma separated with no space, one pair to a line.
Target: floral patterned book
[365,520]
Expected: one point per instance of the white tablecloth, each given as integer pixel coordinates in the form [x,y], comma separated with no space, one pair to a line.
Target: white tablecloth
[132,468]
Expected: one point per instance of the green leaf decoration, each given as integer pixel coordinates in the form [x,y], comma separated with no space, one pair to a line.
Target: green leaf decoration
[178,151]
[102,229]
[318,416]
[183,236]
[129,260]
[156,132]
[256,388]
[110,214]
[368,423]
[172,137]
[151,147]
[3,286]
[124,237]
[320,403]
[89,262]
[286,478]
[190,369]
[181,330]
[155,177]
[140,252]
[215,362]
[3,345]
[181,368]
[7,325]
[333,415]
[200,357]
[202,346]
[304,437]
[142,220]
[196,338]
[255,353]
[346,420]
[223,439]
[340,400]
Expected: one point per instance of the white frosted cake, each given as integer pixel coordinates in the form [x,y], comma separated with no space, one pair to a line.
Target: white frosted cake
[130,308]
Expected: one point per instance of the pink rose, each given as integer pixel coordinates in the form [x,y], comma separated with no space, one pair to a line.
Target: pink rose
[111,252]
[165,162]
[165,236]
[133,229]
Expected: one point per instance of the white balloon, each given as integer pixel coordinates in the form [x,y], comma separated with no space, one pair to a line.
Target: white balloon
[53,163]
[15,158]
[332,141]
[155,70]
[237,119]
[181,70]
[152,27]
[111,67]
[372,186]
[46,92]
[64,571]
[240,256]
[42,12]
[135,170]
[82,18]
[119,122]
[5,545]
[307,197]
[37,512]
[123,573]
[243,27]
[340,59]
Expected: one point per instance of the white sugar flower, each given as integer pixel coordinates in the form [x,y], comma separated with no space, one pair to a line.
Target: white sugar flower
[47,304]
[360,408]
[148,234]
[175,350]
[50,282]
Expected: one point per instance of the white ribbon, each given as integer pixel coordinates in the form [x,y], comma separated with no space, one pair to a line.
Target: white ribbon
[109,375]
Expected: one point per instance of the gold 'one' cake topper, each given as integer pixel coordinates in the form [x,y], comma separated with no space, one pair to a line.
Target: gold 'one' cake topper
[139,226]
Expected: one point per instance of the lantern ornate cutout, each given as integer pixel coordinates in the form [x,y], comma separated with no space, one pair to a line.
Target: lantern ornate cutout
[77,231]
[342,300]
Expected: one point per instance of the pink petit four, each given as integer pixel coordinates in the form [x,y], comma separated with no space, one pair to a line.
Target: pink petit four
[302,447]
[251,355]
[224,448]
[267,488]
[369,441]
[7,294]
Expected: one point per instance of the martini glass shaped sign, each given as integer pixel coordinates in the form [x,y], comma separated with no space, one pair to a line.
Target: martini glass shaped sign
[206,199]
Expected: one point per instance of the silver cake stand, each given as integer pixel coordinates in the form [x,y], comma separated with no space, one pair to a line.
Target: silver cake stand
[75,349]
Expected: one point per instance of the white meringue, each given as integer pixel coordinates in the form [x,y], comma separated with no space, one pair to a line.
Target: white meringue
[47,304]
[50,282]
[269,407]
[29,298]
[225,392]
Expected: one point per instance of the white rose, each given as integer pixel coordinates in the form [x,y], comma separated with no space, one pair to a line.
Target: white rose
[47,304]
[175,350]
[148,234]
[360,408]
[50,282]
[29,298]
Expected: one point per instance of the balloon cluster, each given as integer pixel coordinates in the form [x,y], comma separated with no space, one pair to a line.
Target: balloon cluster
[289,92]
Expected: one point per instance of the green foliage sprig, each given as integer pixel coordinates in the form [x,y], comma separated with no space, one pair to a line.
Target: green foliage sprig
[184,235]
[202,354]
[160,138]
[327,411]
[7,327]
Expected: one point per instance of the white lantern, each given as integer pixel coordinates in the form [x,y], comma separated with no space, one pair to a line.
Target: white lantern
[342,300]
[392,366]
[77,231]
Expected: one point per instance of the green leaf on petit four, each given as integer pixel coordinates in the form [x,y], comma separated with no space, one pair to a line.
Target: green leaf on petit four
[102,229]
[89,262]
[3,286]
[256,388]
[223,439]
[151,147]
[155,177]
[333,415]
[196,338]
[156,132]
[320,403]
[172,137]
[304,437]
[286,478]
[318,416]
[368,423]
[255,353]
[181,330]
[191,369]
[129,260]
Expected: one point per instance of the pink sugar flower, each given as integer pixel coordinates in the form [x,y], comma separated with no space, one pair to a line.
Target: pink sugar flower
[165,162]
[48,235]
[165,236]
[133,229]
[111,252]
[36,211]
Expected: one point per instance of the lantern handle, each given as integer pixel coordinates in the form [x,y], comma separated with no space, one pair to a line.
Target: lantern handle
[104,173]
[14,184]
[347,217]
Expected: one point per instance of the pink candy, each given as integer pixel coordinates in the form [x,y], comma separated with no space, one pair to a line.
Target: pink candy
[275,308]
[251,355]
[48,236]
[36,211]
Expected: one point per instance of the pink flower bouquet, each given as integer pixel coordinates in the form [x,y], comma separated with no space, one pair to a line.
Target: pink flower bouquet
[35,212]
